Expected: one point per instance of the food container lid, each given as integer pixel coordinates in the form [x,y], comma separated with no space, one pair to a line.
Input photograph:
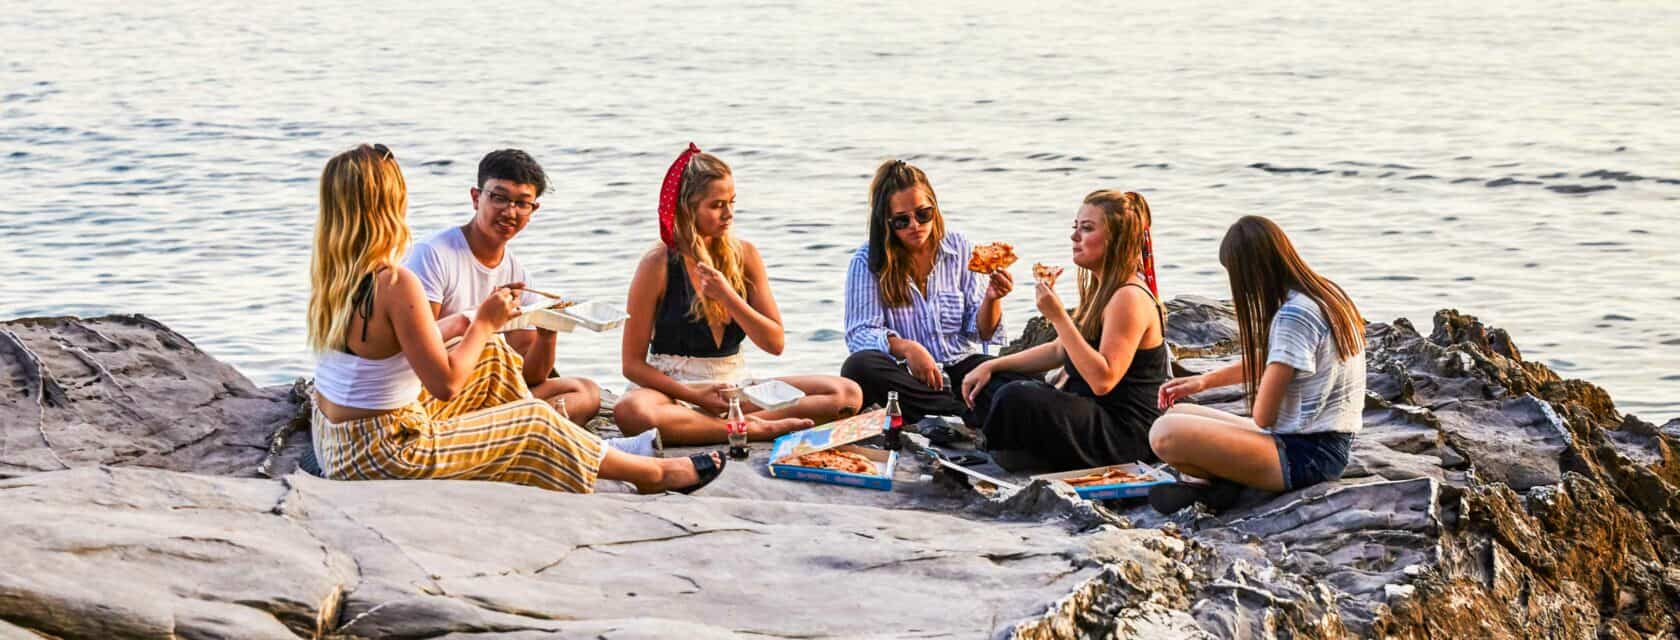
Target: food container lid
[828,436]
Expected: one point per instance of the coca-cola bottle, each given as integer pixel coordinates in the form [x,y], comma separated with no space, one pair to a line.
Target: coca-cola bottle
[737,430]
[893,432]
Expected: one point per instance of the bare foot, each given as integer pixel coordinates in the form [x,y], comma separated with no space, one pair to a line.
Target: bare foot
[677,473]
[761,429]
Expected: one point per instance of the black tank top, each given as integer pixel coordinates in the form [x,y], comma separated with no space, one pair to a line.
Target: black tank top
[1136,391]
[675,333]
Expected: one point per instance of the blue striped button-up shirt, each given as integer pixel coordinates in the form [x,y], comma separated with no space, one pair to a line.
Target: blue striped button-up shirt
[946,320]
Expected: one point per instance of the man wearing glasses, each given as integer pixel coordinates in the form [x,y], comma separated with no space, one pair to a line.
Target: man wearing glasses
[459,266]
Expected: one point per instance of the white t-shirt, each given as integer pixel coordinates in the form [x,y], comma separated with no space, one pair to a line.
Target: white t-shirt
[456,280]
[1328,393]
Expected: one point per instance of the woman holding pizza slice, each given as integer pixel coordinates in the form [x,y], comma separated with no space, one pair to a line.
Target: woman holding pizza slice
[918,320]
[1112,348]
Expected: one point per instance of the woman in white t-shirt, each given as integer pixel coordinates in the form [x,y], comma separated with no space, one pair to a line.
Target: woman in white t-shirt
[1303,368]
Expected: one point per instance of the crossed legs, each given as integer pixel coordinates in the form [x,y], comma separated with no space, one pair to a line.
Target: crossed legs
[1208,443]
[826,398]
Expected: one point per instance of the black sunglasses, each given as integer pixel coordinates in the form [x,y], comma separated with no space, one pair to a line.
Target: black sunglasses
[924,215]
[383,152]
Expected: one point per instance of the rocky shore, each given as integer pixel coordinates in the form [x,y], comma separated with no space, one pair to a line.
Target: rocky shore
[148,490]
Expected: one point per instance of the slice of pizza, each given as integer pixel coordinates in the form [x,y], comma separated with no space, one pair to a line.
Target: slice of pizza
[989,258]
[1042,273]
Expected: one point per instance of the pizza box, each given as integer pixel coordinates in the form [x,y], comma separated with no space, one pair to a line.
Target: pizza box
[1119,490]
[839,436]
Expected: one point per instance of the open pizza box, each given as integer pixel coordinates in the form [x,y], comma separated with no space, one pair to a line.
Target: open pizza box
[1143,477]
[838,436]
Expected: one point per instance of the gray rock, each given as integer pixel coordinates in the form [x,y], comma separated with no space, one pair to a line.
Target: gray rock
[1200,327]
[203,556]
[1485,497]
[125,390]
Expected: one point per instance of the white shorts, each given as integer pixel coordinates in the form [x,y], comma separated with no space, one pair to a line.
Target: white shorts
[693,370]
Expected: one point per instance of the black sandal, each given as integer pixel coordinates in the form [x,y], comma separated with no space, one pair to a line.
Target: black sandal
[1218,495]
[708,468]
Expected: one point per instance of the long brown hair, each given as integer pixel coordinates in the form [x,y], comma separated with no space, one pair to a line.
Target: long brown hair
[1263,267]
[361,228]
[889,259]
[722,252]
[1126,220]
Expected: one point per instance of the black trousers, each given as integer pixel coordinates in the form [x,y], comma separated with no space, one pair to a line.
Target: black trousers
[1068,430]
[878,372]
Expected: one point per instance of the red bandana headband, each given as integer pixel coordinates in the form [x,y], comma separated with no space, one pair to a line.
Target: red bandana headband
[668,196]
[1149,263]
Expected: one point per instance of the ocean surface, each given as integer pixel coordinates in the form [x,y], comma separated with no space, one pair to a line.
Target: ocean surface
[1515,160]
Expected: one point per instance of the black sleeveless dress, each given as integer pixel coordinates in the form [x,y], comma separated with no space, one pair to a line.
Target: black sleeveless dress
[1073,427]
[677,334]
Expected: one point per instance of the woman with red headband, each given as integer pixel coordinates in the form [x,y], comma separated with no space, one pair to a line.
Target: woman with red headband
[1112,348]
[695,297]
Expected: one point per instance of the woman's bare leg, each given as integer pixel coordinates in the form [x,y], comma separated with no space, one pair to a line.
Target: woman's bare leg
[650,475]
[826,398]
[582,395]
[643,409]
[1210,412]
[1206,447]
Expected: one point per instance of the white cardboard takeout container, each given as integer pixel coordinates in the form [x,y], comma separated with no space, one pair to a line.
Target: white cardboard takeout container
[772,394]
[596,316]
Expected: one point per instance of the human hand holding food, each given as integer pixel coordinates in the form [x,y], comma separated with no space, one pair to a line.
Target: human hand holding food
[498,307]
[1177,388]
[1001,284]
[1048,302]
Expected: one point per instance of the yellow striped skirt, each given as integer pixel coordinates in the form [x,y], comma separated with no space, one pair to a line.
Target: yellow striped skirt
[492,430]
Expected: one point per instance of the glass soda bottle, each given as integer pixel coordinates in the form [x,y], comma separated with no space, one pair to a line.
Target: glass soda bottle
[737,430]
[893,432]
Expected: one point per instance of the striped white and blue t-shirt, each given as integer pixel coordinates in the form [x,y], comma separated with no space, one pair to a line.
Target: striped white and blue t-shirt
[1328,393]
[945,320]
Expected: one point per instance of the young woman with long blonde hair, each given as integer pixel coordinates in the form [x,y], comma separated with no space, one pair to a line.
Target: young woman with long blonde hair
[391,401]
[1303,371]
[910,298]
[1112,349]
[695,298]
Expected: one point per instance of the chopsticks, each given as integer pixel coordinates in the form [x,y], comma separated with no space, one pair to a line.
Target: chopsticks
[544,294]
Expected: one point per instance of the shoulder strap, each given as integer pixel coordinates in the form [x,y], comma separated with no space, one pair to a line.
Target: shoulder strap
[1161,311]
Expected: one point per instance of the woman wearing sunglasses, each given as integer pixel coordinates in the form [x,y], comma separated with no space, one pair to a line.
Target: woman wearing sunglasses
[378,347]
[917,320]
[1112,349]
[695,298]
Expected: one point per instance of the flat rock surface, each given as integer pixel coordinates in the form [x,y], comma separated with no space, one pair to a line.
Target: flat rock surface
[1486,497]
[204,556]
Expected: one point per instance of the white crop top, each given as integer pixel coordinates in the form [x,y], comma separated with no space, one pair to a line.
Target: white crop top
[349,380]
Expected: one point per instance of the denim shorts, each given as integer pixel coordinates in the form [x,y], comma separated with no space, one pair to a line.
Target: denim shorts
[1310,458]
